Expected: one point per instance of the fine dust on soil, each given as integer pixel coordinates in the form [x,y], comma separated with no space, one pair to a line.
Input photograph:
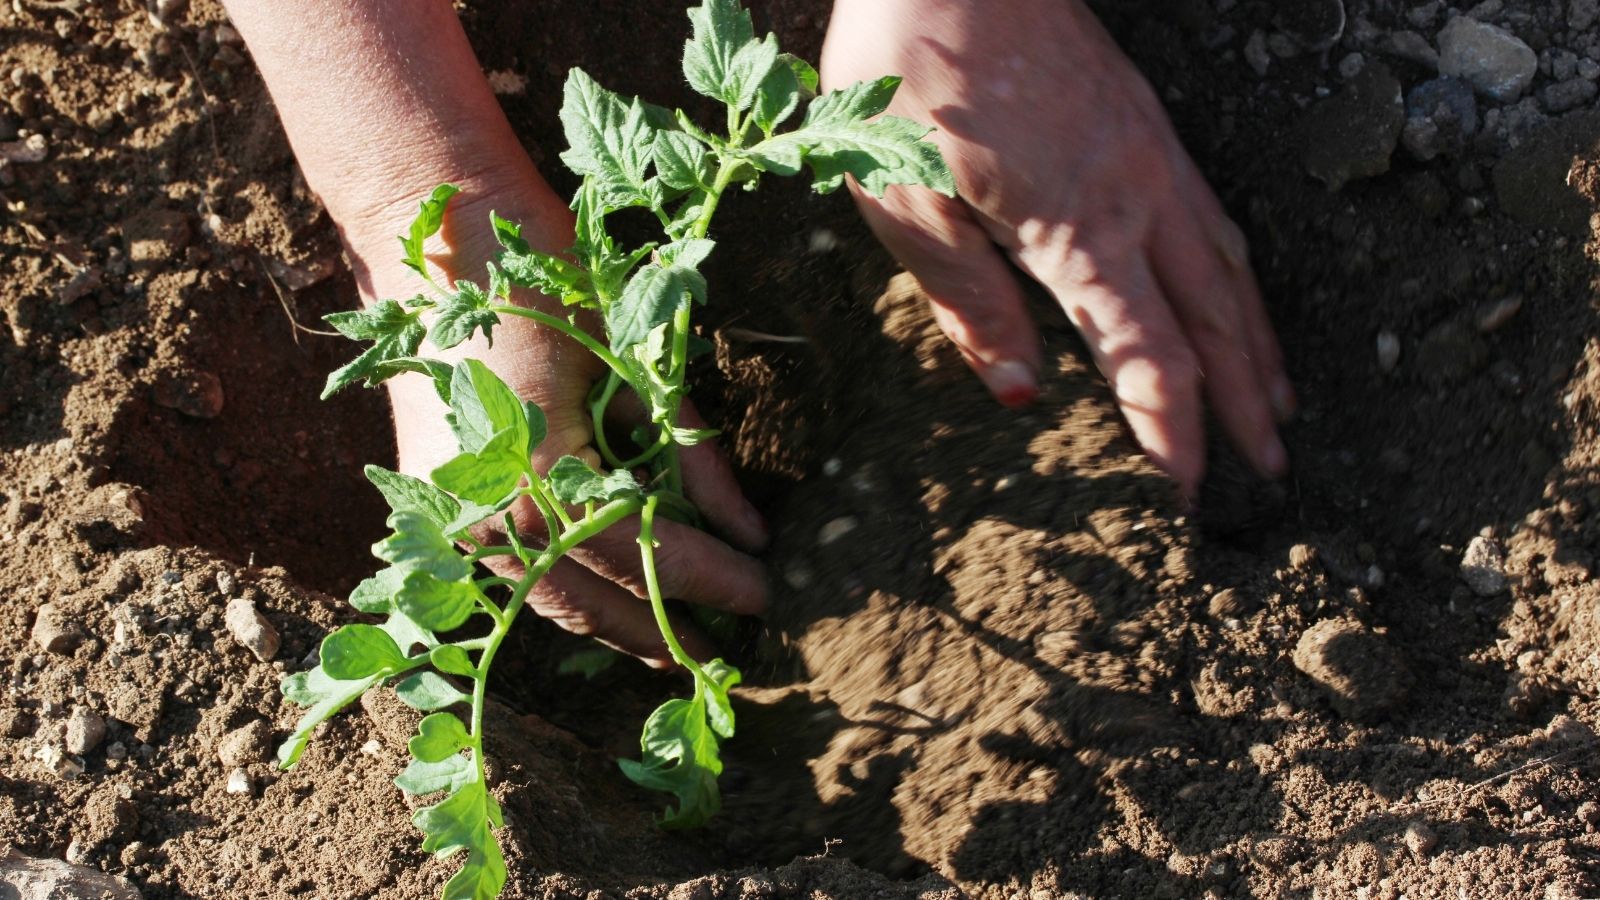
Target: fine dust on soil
[1005,663]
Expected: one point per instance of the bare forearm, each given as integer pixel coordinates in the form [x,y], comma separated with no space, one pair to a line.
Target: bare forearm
[381,100]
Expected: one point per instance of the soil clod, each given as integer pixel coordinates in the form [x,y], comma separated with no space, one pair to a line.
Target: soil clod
[1361,674]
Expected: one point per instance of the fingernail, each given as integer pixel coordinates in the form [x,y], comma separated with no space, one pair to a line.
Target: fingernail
[1273,457]
[1283,404]
[1012,382]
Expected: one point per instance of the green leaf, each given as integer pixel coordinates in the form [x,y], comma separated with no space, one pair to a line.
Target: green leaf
[473,513]
[359,651]
[791,80]
[609,141]
[428,691]
[407,633]
[724,60]
[448,774]
[651,298]
[326,696]
[437,605]
[452,659]
[407,494]
[836,140]
[464,313]
[588,662]
[549,275]
[682,162]
[572,481]
[482,406]
[438,371]
[679,755]
[419,545]
[376,594]
[687,254]
[483,875]
[508,233]
[720,678]
[612,271]
[430,217]
[439,735]
[395,333]
[490,475]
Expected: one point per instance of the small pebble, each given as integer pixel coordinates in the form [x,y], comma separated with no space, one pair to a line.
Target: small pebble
[835,529]
[1420,839]
[54,632]
[85,731]
[371,748]
[238,782]
[1388,351]
[1495,315]
[251,629]
[34,148]
[1483,566]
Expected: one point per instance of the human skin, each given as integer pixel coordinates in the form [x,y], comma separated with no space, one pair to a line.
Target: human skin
[383,99]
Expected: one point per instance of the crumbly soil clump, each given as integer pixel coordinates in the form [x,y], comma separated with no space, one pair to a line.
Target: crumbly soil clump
[1005,660]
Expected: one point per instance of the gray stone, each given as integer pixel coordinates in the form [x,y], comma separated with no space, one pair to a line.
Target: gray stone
[1352,134]
[1483,566]
[251,629]
[1409,46]
[85,731]
[54,632]
[1494,61]
[25,878]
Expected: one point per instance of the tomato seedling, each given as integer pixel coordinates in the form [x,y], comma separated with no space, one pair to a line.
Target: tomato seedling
[629,154]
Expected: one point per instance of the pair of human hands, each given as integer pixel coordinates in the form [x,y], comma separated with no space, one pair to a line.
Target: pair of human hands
[1067,167]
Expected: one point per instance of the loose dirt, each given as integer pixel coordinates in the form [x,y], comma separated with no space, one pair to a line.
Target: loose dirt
[1005,661]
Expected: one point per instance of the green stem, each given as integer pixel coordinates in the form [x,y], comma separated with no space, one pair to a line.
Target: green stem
[603,518]
[725,170]
[597,411]
[483,553]
[658,605]
[568,329]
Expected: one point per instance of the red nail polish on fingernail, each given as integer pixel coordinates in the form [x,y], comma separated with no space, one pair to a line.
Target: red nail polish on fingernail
[1011,382]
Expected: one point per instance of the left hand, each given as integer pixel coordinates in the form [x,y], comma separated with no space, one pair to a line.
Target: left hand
[1067,165]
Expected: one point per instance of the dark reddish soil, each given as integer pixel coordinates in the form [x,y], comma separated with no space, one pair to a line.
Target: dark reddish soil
[1023,670]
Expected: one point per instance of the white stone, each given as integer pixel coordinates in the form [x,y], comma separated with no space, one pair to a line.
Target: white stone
[1483,566]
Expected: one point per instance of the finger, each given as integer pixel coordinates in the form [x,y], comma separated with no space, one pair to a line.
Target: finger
[708,480]
[1204,293]
[973,295]
[690,565]
[1234,250]
[587,605]
[1139,347]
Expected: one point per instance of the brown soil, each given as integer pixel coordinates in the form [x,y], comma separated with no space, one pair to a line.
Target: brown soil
[1023,671]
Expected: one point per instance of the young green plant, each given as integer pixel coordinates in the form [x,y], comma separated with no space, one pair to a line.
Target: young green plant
[629,154]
